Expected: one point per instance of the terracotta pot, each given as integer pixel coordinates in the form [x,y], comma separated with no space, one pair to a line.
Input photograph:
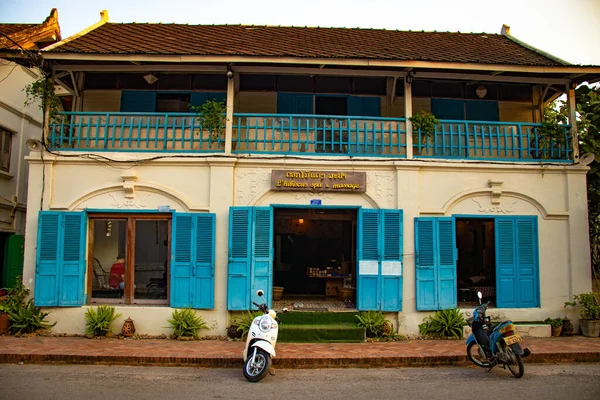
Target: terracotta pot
[556,331]
[4,323]
[277,293]
[128,328]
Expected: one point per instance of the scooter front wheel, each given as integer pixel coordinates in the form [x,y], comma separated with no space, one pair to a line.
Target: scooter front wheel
[476,355]
[255,370]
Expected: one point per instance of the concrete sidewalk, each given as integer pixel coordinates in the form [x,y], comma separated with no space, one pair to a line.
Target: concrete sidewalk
[222,353]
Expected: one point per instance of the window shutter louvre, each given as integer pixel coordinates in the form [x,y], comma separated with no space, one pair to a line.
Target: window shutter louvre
[181,260]
[204,266]
[262,255]
[391,278]
[368,244]
[447,263]
[238,283]
[426,271]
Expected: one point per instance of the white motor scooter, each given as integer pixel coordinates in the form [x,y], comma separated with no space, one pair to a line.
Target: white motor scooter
[260,343]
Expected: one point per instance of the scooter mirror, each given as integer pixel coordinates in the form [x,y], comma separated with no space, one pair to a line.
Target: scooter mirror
[260,293]
[479,295]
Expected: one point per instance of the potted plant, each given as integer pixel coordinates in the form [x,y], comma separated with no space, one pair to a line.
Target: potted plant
[211,115]
[423,123]
[556,325]
[589,311]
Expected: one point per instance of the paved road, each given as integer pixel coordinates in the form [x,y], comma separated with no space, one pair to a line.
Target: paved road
[541,381]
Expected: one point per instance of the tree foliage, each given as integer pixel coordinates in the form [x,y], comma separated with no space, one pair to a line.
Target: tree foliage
[588,127]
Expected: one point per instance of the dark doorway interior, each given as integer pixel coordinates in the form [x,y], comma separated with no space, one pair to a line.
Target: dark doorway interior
[476,265]
[331,105]
[315,252]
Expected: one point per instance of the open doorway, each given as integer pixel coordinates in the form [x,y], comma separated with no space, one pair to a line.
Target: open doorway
[315,258]
[476,264]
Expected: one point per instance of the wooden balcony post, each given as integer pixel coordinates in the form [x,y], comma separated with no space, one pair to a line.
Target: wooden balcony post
[408,112]
[229,113]
[573,120]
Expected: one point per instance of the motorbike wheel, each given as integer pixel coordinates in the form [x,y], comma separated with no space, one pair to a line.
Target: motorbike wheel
[476,355]
[516,367]
[262,364]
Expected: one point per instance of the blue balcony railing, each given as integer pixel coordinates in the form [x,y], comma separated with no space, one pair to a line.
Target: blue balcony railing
[518,141]
[122,131]
[306,135]
[319,134]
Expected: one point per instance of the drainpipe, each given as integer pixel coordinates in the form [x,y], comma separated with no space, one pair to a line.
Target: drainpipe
[229,114]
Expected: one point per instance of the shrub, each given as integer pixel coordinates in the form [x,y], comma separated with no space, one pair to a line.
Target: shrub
[554,322]
[444,323]
[98,321]
[246,321]
[425,122]
[24,316]
[373,321]
[589,305]
[27,319]
[211,114]
[186,323]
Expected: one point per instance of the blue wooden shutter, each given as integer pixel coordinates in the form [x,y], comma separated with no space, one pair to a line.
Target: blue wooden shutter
[199,98]
[435,248]
[391,267]
[72,270]
[294,103]
[446,263]
[192,260]
[238,283]
[138,101]
[47,263]
[426,272]
[181,260]
[262,254]
[448,109]
[60,266]
[517,282]
[364,106]
[480,110]
[203,274]
[528,267]
[368,260]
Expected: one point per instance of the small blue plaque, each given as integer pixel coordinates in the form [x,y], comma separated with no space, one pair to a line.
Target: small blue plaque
[164,208]
[315,202]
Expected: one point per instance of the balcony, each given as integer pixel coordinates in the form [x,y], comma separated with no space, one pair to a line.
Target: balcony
[315,135]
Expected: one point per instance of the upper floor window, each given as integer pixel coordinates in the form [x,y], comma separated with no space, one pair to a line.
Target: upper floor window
[5,146]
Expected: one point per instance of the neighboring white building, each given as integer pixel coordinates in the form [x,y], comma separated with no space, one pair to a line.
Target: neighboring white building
[18,123]
[316,182]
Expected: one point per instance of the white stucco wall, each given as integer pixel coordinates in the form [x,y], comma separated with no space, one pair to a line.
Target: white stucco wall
[25,123]
[555,194]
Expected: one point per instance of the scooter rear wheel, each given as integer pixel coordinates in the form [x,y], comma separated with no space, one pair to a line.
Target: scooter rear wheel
[254,372]
[516,368]
[476,355]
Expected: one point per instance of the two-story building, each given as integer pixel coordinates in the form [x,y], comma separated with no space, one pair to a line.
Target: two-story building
[318,180]
[19,122]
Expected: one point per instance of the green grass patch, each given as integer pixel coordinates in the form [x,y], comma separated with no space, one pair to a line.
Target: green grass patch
[317,318]
[322,333]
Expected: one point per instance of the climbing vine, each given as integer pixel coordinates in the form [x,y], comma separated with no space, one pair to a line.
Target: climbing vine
[42,91]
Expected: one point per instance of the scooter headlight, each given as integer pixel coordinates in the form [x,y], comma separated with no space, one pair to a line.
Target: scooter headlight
[265,323]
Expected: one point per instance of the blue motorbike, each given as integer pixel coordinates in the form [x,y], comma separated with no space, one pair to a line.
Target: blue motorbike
[503,341]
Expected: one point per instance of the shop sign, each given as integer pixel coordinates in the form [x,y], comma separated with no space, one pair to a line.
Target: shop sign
[319,181]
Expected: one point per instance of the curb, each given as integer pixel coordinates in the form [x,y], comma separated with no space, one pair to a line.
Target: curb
[284,363]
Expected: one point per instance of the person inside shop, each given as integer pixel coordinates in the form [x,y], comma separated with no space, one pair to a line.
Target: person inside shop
[117,273]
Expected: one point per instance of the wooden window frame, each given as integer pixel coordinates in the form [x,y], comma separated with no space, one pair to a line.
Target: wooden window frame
[5,135]
[130,219]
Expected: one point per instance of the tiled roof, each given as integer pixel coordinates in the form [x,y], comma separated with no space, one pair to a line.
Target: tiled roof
[327,43]
[9,29]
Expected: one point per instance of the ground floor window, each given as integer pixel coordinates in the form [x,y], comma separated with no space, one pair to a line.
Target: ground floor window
[456,257]
[129,258]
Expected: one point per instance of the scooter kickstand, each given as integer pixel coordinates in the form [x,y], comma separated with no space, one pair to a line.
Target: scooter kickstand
[272,371]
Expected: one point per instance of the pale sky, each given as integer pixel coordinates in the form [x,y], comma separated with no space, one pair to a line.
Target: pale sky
[569,29]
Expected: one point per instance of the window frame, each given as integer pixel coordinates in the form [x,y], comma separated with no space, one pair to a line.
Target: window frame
[5,134]
[130,218]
